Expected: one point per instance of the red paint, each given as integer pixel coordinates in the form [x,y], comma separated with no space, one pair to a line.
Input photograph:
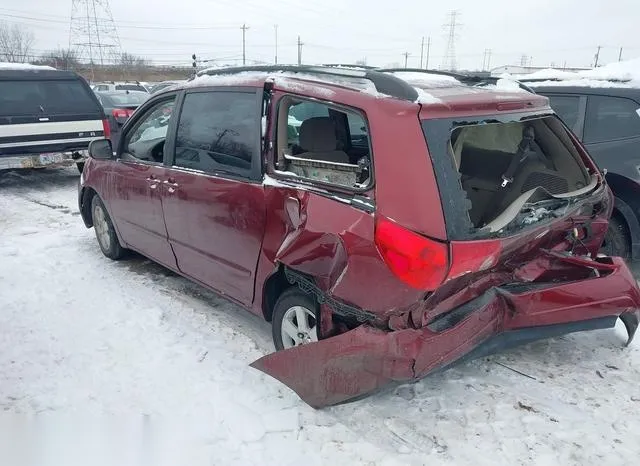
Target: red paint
[365,359]
[215,227]
[133,194]
[397,262]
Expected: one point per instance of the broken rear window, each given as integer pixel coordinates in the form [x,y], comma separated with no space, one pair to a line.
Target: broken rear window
[498,161]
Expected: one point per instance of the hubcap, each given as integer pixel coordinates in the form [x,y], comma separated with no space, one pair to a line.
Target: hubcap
[299,327]
[102,227]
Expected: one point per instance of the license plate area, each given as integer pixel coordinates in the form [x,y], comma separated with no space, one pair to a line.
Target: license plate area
[50,158]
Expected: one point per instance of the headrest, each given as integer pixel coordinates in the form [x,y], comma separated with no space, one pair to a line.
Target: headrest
[318,134]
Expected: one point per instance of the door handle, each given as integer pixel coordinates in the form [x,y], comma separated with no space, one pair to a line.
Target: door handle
[153,182]
[171,186]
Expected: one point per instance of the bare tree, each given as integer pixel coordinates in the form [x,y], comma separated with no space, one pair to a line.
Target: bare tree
[16,43]
[129,60]
[64,59]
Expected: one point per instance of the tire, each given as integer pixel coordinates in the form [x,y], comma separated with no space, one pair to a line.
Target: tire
[80,166]
[617,241]
[291,304]
[105,233]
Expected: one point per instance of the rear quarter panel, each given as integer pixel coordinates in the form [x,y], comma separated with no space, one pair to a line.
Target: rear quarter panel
[313,232]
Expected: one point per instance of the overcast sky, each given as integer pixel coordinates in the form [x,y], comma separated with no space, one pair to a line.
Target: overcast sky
[343,31]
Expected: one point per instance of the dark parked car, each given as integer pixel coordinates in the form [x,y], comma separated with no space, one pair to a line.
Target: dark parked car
[455,222]
[119,86]
[607,121]
[118,107]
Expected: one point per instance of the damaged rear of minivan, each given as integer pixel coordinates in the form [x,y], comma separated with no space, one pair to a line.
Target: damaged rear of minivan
[525,211]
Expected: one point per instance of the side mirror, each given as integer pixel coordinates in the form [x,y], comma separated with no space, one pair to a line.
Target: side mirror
[100,149]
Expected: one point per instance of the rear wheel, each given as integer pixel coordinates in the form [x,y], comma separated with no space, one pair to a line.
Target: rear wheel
[105,233]
[295,320]
[617,241]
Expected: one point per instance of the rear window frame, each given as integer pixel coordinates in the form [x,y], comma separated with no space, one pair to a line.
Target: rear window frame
[455,203]
[271,170]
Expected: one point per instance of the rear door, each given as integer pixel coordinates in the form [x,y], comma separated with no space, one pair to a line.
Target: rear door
[135,187]
[47,113]
[213,202]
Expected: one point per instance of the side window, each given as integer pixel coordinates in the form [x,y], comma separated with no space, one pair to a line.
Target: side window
[567,108]
[218,131]
[103,87]
[323,142]
[146,139]
[610,118]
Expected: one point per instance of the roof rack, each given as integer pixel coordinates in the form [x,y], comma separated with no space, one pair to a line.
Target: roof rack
[384,83]
[349,65]
[476,80]
[421,70]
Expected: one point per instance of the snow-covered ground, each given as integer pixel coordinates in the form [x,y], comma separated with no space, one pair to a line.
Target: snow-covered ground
[107,363]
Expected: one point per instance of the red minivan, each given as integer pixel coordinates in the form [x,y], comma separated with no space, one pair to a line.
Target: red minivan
[387,223]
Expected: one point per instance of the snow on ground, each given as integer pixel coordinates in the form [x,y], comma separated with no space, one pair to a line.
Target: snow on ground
[125,363]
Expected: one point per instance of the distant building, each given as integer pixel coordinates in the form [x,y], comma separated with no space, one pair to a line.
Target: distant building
[517,69]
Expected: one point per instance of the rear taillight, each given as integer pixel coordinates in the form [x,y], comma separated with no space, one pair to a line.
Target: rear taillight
[106,128]
[419,262]
[121,113]
[473,256]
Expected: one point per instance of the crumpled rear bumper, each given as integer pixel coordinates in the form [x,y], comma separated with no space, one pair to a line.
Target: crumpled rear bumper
[357,362]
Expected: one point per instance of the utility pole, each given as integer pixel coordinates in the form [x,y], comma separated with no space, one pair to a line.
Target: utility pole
[300,44]
[422,52]
[620,55]
[244,43]
[428,49]
[406,58]
[597,56]
[276,29]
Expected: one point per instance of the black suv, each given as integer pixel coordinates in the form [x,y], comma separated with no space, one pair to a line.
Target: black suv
[607,121]
[47,118]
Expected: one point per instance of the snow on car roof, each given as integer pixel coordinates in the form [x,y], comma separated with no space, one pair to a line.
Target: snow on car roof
[618,74]
[23,66]
[426,80]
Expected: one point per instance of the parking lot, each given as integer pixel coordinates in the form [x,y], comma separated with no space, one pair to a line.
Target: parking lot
[92,337]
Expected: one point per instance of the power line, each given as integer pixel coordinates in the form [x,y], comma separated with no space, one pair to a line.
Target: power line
[121,26]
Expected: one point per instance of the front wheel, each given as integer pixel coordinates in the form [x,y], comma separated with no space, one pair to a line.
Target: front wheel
[295,320]
[105,233]
[616,241]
